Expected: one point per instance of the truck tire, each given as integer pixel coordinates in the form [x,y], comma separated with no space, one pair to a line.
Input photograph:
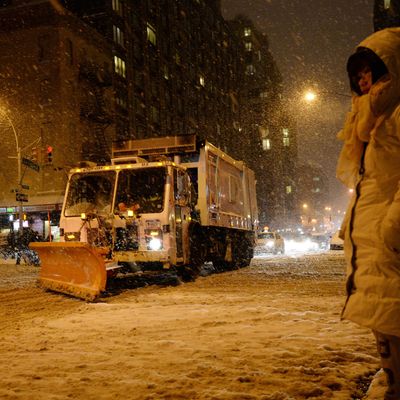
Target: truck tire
[227,248]
[243,250]
[197,254]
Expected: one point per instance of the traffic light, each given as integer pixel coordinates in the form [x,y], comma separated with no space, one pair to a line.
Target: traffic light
[49,152]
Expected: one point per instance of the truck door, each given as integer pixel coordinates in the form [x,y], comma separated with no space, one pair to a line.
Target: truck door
[182,214]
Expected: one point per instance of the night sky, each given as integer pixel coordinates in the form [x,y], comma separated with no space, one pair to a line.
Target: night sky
[311,41]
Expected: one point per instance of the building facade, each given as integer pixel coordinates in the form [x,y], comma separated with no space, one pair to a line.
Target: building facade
[266,122]
[386,14]
[122,70]
[314,199]
[56,102]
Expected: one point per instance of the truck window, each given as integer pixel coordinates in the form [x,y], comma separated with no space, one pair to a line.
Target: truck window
[144,187]
[181,186]
[90,193]
[266,235]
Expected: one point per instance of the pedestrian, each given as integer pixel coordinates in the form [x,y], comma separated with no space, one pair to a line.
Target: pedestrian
[370,164]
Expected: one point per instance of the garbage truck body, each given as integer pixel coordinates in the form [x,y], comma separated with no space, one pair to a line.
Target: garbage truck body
[168,203]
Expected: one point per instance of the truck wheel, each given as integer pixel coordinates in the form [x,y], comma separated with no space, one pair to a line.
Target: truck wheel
[188,273]
[242,252]
[226,249]
[198,248]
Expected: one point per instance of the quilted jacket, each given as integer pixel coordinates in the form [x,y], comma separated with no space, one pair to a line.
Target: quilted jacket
[370,163]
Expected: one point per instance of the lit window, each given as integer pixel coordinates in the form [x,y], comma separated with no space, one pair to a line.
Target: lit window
[119,66]
[288,189]
[117,6]
[286,141]
[151,34]
[166,72]
[285,132]
[118,35]
[202,81]
[386,4]
[266,144]
[250,70]
[247,31]
[264,132]
[120,100]
[248,46]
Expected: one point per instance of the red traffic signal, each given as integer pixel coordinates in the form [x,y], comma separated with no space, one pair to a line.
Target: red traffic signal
[49,152]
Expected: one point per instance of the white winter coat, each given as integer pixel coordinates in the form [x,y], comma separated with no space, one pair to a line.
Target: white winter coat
[372,226]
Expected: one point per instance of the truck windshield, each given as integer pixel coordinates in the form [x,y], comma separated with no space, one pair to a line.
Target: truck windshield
[266,235]
[141,189]
[90,193]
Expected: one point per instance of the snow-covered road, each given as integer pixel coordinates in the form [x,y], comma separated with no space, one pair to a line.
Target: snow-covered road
[270,331]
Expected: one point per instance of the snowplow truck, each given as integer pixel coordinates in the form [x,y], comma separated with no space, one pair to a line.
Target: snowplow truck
[168,203]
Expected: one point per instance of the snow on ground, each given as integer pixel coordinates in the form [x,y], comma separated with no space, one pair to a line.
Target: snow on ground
[271,331]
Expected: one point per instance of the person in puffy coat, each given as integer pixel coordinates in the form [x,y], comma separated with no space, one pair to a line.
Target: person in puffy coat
[370,163]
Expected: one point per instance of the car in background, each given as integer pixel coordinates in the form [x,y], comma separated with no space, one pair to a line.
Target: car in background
[321,241]
[269,242]
[336,243]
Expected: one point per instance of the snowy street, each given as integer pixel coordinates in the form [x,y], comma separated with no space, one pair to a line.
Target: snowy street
[271,331]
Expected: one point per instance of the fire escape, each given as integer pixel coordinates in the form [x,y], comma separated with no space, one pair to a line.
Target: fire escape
[93,109]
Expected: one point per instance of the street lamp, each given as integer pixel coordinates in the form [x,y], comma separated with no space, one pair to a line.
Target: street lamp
[19,160]
[311,95]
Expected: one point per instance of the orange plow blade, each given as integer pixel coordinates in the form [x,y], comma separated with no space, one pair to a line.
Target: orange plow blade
[73,268]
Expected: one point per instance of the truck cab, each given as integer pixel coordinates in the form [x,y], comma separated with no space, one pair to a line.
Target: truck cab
[141,210]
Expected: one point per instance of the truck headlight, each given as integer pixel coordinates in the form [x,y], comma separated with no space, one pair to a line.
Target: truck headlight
[154,239]
[154,244]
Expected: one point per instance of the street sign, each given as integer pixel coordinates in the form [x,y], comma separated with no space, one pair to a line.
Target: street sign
[21,197]
[30,164]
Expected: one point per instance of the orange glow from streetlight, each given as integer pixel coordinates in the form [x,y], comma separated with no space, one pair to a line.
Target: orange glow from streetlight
[310,96]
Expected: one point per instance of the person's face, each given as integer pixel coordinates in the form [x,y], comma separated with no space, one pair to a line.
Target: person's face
[364,79]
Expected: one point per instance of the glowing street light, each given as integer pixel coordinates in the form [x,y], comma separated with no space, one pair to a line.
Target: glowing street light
[310,96]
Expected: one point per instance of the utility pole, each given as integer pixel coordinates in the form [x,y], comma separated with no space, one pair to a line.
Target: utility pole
[20,210]
[19,178]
